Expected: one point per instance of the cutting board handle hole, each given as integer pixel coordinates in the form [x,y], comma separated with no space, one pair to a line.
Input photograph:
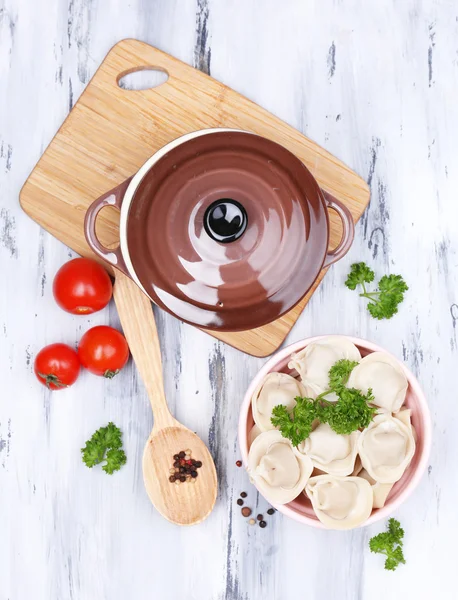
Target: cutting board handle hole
[142,78]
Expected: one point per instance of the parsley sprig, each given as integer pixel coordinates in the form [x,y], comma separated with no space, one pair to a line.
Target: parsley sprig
[349,413]
[105,444]
[385,300]
[390,543]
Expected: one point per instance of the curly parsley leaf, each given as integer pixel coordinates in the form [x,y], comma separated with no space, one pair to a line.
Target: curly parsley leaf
[350,412]
[359,274]
[105,443]
[385,300]
[115,458]
[340,372]
[390,543]
[390,295]
[93,453]
[297,424]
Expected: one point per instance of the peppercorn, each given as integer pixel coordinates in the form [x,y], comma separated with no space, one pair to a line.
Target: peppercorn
[260,517]
[246,511]
[240,502]
[243,495]
[239,463]
[262,524]
[251,521]
[271,511]
[184,467]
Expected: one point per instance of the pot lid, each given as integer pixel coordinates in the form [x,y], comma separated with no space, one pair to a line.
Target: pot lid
[227,230]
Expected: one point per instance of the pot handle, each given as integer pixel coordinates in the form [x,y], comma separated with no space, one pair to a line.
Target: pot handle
[114,197]
[348,229]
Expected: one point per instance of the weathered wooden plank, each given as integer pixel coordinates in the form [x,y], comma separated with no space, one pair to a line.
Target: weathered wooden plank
[376,85]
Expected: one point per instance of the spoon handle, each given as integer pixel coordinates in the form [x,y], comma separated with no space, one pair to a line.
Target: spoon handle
[137,320]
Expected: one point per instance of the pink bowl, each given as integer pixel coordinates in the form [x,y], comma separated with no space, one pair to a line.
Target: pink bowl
[300,509]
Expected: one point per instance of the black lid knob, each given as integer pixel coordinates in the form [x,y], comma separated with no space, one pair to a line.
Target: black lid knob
[225,220]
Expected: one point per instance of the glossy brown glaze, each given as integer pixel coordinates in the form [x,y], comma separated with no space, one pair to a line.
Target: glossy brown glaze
[252,280]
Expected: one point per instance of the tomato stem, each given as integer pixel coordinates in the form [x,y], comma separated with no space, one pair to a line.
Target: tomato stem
[110,374]
[51,379]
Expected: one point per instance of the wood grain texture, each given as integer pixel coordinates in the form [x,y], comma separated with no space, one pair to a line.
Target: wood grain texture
[139,326]
[375,83]
[111,131]
[183,504]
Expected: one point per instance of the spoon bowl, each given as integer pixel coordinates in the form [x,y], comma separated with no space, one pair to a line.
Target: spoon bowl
[185,503]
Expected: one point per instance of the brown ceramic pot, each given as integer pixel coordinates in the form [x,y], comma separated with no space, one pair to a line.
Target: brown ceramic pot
[222,228]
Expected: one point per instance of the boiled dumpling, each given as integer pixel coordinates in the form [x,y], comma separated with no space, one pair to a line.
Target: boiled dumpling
[253,434]
[405,415]
[275,388]
[380,490]
[383,374]
[277,469]
[313,363]
[340,502]
[386,448]
[331,452]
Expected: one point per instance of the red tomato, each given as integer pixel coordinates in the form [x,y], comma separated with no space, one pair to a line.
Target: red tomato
[82,287]
[103,351]
[57,366]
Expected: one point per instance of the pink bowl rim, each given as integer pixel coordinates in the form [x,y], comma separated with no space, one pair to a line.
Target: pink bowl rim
[279,356]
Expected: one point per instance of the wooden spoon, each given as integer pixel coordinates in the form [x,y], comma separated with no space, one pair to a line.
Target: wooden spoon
[190,502]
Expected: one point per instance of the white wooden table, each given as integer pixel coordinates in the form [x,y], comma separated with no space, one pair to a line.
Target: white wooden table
[376,83]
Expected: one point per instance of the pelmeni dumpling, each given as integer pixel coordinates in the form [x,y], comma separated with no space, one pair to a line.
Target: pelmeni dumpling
[386,448]
[380,490]
[276,388]
[340,502]
[331,452]
[253,434]
[405,415]
[313,363]
[277,469]
[383,374]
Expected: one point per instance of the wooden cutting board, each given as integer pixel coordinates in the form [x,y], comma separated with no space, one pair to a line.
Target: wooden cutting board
[111,132]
